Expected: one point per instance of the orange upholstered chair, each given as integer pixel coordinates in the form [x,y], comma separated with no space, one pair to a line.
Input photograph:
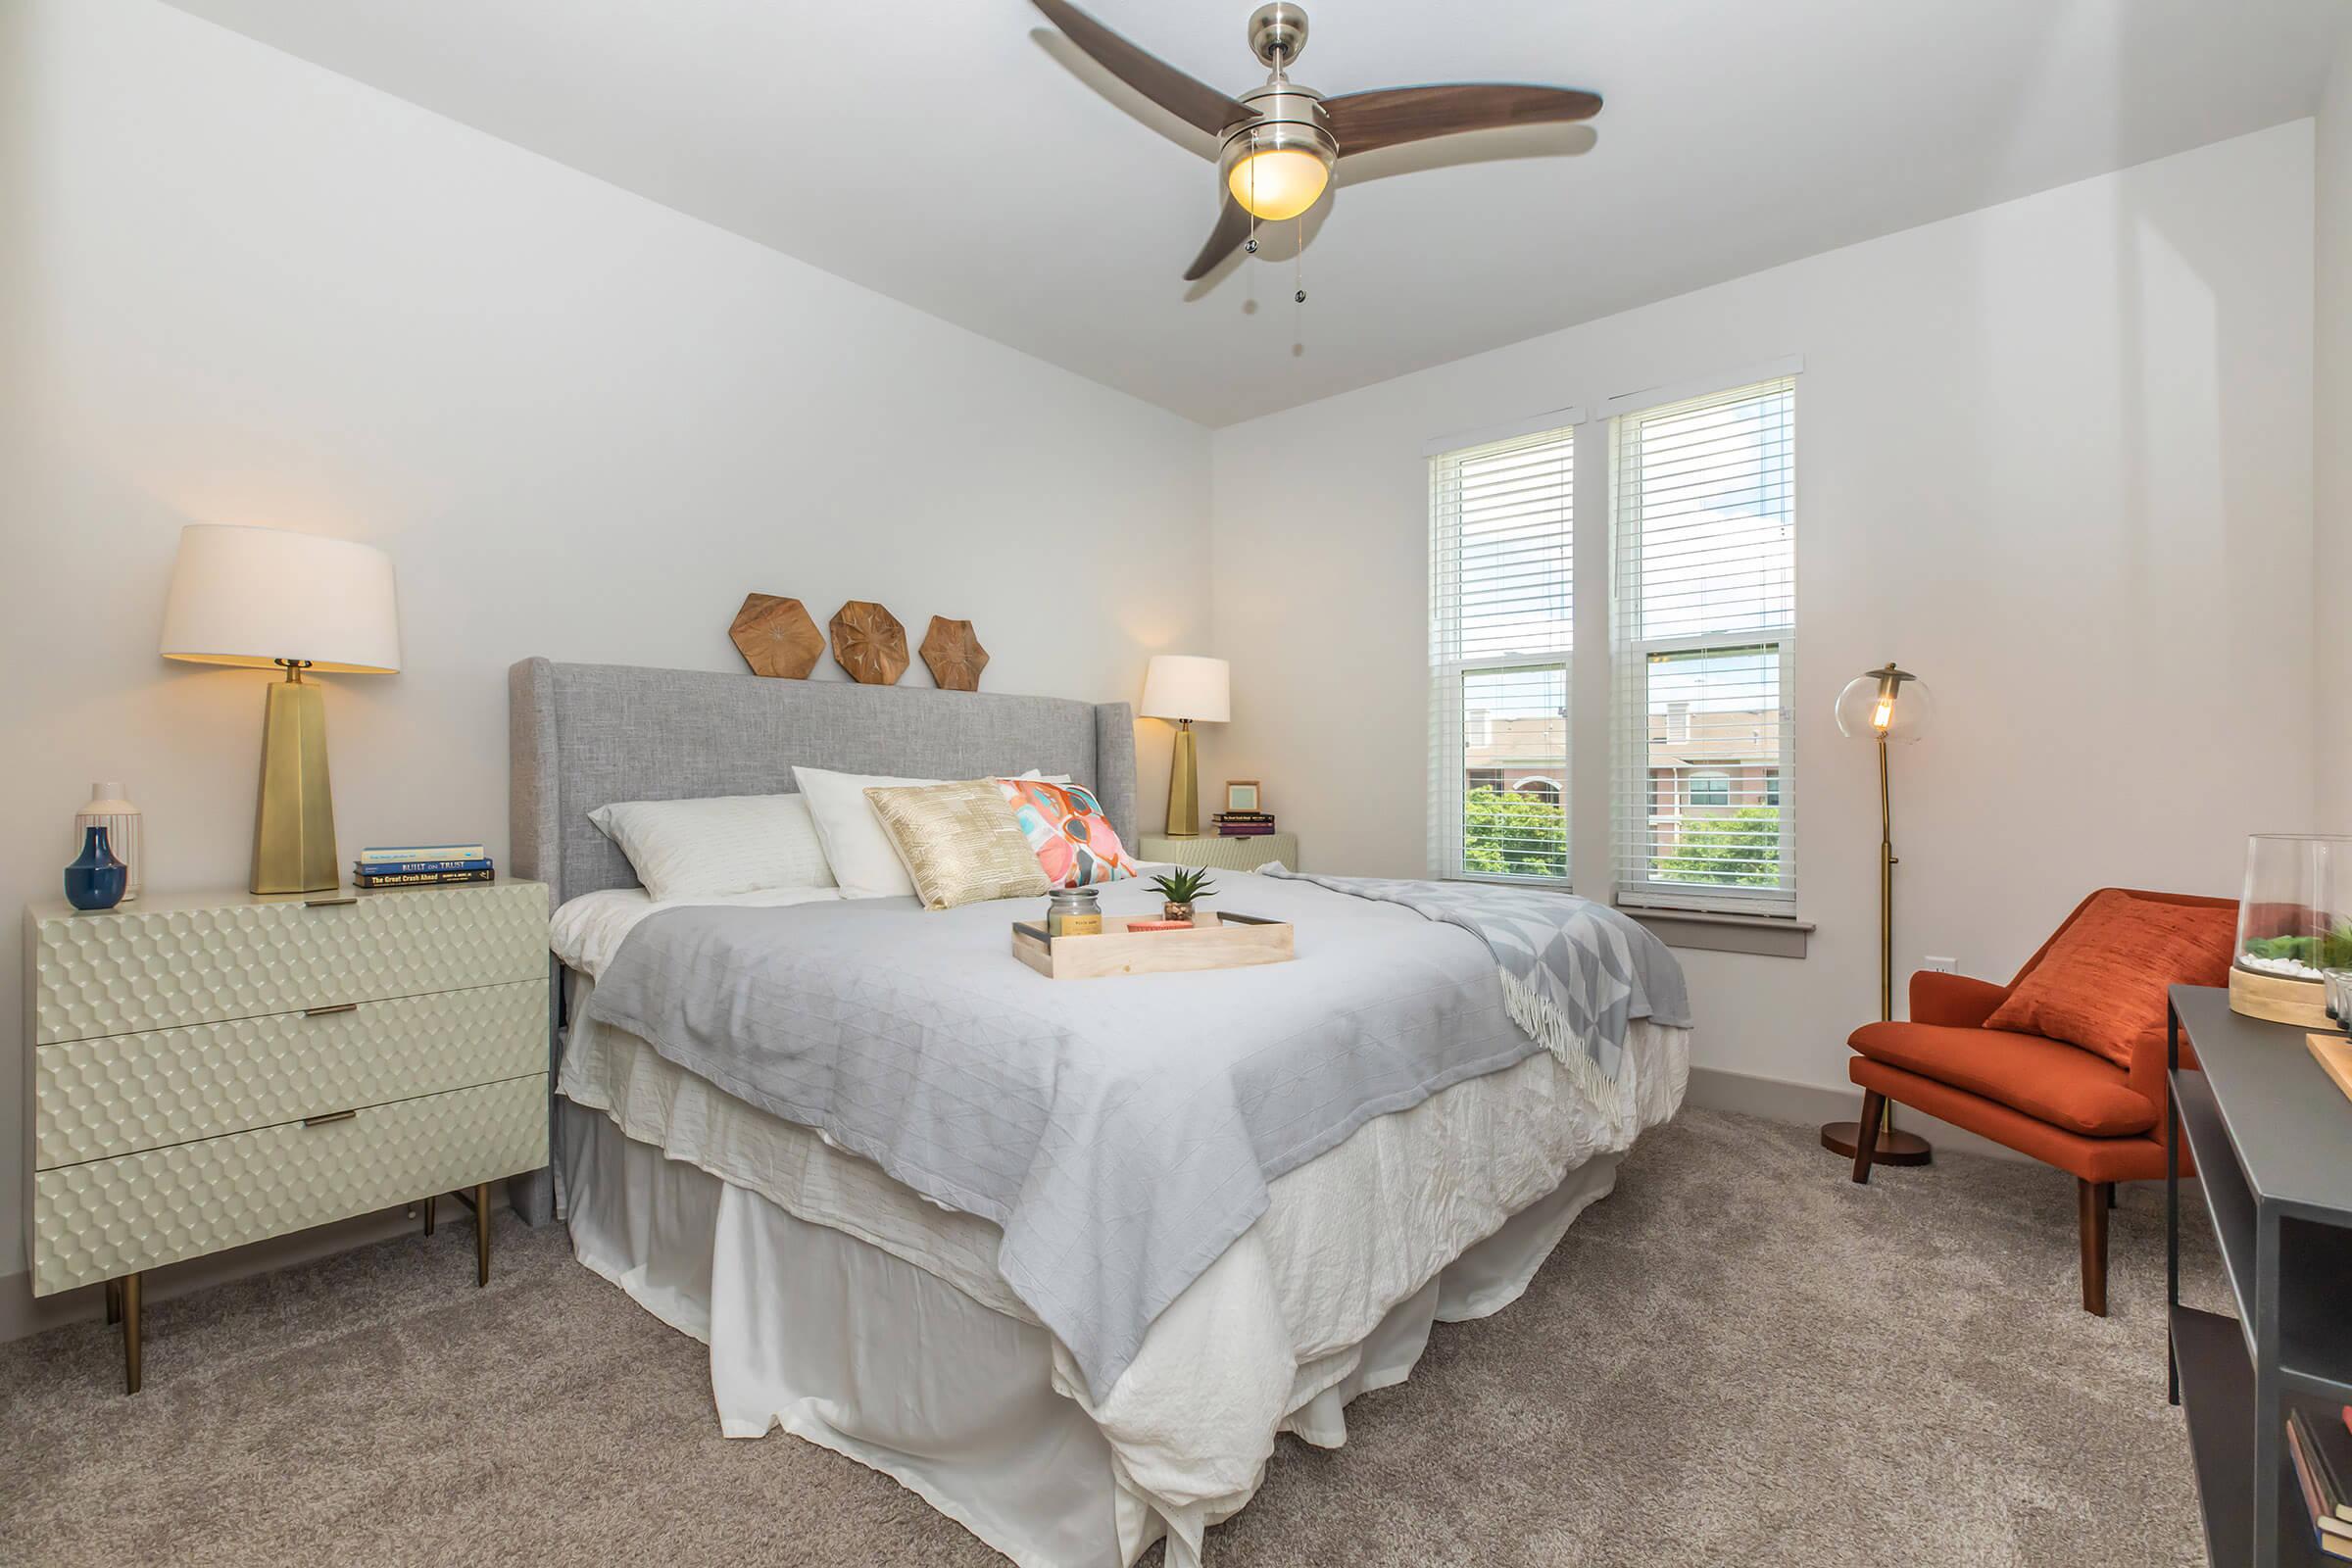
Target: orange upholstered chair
[2101,1120]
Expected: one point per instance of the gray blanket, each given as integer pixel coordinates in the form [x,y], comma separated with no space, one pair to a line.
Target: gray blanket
[1121,1132]
[1571,971]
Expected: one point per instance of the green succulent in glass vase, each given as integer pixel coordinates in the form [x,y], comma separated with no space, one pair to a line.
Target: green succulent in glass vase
[1180,888]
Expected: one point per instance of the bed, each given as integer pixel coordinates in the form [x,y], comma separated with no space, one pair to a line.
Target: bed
[863,1311]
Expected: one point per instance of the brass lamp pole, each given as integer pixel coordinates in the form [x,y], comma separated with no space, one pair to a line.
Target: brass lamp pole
[1885,704]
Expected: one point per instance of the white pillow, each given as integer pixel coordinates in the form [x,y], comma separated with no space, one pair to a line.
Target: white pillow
[864,862]
[718,846]
[859,853]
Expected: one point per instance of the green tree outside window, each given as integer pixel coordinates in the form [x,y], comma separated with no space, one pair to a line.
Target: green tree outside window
[1740,851]
[1507,834]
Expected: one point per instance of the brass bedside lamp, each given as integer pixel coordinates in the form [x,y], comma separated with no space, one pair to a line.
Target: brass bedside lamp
[268,599]
[1185,688]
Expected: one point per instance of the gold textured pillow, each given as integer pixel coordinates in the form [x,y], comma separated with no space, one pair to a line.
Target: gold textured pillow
[960,842]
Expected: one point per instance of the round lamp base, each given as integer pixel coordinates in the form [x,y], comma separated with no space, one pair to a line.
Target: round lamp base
[1895,1146]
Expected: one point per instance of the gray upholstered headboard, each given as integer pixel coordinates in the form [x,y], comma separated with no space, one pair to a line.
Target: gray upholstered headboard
[587,735]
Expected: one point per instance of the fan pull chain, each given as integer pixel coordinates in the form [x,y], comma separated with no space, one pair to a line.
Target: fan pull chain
[1250,245]
[1299,278]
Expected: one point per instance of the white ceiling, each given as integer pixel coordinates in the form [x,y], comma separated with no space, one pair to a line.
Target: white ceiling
[957,155]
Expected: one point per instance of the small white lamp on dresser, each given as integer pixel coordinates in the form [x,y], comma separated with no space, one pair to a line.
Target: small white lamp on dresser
[213,1069]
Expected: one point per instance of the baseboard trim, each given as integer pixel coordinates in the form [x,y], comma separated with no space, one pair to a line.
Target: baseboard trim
[1811,1104]
[23,1313]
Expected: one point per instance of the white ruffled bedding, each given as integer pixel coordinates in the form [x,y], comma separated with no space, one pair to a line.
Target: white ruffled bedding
[1273,1322]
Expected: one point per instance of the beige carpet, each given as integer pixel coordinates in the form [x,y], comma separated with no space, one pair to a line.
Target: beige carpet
[1738,1357]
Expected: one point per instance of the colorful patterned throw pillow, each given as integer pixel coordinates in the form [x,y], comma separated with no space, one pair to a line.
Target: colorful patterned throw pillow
[1064,824]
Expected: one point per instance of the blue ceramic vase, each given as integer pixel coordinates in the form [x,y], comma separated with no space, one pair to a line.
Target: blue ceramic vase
[97,880]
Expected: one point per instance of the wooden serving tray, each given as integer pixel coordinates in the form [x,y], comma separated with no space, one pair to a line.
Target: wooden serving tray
[1215,942]
[2335,1052]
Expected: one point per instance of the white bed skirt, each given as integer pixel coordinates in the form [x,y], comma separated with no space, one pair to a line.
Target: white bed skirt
[851,1348]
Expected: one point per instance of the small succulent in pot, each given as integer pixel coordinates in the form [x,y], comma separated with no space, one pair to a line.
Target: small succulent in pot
[1180,888]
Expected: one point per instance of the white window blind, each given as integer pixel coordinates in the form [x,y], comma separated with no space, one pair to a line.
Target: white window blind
[1704,614]
[1501,598]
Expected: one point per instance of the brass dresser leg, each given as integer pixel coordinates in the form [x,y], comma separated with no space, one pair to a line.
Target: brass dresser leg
[481,1233]
[130,1333]
[114,1302]
[428,1214]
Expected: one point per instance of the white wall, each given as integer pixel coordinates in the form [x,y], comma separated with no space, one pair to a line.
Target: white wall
[2055,457]
[243,289]
[2332,447]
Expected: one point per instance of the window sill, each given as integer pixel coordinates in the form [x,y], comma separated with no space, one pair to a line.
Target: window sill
[1765,936]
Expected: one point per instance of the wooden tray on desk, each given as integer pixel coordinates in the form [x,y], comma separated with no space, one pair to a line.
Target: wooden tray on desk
[1215,942]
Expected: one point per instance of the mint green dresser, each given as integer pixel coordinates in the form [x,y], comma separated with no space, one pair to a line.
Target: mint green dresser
[206,1070]
[1222,853]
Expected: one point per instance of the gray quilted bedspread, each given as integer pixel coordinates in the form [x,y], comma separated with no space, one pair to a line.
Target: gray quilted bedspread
[1122,1132]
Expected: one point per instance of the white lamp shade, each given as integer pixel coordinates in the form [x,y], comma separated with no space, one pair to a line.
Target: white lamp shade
[256,596]
[1188,686]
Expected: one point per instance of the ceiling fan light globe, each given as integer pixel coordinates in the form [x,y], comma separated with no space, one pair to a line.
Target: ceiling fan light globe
[1279,182]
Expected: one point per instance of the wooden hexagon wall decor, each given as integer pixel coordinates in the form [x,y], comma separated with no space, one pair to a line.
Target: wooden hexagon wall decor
[869,643]
[954,655]
[776,636]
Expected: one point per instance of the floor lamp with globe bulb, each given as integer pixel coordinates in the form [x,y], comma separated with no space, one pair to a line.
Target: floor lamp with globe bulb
[1888,705]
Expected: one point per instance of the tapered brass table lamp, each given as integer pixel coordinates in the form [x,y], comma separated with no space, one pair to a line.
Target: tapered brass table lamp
[268,599]
[1884,705]
[1189,689]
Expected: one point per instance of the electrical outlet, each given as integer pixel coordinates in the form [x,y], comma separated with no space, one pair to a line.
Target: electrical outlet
[1940,965]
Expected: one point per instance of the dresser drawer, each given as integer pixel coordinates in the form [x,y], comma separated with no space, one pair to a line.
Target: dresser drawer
[162,966]
[111,1217]
[94,1099]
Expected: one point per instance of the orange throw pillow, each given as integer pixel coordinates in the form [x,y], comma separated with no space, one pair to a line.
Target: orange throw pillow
[2101,985]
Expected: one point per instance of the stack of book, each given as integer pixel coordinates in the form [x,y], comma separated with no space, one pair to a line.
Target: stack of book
[2321,1448]
[1244,824]
[422,866]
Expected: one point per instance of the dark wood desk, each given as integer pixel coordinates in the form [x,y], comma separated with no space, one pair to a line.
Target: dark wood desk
[2272,1137]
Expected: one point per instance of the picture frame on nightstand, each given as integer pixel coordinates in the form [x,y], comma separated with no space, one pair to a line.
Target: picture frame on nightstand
[1241,795]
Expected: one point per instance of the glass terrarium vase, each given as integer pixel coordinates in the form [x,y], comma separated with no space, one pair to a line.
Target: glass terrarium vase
[2294,926]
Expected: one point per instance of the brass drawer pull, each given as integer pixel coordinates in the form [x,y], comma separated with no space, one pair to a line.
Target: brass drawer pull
[330,902]
[332,1116]
[323,1013]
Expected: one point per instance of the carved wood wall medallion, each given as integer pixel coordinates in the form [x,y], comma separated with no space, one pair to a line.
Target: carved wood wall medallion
[776,637]
[869,643]
[954,655]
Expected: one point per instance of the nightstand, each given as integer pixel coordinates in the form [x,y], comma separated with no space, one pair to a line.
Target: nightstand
[209,1070]
[1225,854]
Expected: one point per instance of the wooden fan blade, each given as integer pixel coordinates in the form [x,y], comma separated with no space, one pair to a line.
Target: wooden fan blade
[1195,103]
[1233,226]
[1364,121]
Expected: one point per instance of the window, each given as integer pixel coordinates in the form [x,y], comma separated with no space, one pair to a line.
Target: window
[1703,612]
[1501,597]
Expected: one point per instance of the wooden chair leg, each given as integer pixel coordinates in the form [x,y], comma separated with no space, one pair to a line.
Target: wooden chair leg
[2091,1199]
[1866,1132]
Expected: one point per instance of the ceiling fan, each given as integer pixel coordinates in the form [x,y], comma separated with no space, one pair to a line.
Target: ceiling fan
[1278,142]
